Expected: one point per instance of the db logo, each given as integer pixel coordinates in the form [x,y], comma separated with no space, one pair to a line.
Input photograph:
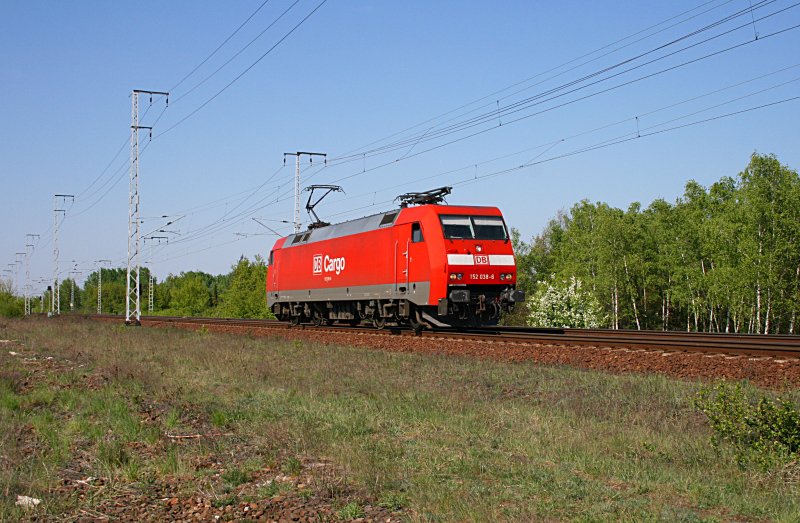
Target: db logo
[481,260]
[327,264]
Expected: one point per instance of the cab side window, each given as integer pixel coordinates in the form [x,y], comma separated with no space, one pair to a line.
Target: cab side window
[416,233]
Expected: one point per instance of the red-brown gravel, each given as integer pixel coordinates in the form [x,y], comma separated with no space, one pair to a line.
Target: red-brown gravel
[765,372]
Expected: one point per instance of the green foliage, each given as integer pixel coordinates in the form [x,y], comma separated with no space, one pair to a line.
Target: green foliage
[189,294]
[246,297]
[564,304]
[351,511]
[524,259]
[172,419]
[219,418]
[224,502]
[719,259]
[240,293]
[10,306]
[113,290]
[269,490]
[112,454]
[765,432]
[393,500]
[722,258]
[235,477]
[292,466]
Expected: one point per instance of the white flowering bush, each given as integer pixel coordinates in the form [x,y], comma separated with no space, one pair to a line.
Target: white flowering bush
[564,304]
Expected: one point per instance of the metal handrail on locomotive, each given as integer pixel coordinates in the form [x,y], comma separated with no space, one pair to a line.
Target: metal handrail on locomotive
[425,264]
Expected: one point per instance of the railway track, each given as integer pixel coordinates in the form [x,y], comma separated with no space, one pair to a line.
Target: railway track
[773,346]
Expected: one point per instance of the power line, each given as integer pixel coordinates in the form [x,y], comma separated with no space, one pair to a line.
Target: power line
[530,102]
[243,49]
[597,146]
[612,141]
[550,159]
[204,104]
[562,89]
[556,68]
[116,155]
[119,178]
[220,46]
[569,102]
[602,145]
[221,223]
[124,143]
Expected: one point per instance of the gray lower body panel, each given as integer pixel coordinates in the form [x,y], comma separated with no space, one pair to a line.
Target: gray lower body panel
[415,292]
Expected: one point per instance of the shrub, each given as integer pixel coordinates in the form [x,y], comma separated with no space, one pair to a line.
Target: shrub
[351,511]
[10,306]
[113,453]
[564,304]
[235,477]
[765,432]
[292,466]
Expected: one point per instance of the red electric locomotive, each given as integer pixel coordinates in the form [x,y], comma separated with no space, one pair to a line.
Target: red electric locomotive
[424,264]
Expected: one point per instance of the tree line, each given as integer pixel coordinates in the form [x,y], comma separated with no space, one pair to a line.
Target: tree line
[724,258]
[237,294]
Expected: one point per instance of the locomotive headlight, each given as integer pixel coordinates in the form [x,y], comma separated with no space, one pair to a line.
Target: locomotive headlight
[459,275]
[506,276]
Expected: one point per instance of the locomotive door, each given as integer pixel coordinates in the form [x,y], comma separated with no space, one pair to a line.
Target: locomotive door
[417,263]
[272,272]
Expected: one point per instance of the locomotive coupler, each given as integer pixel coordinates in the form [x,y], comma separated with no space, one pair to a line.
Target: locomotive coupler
[459,296]
[512,296]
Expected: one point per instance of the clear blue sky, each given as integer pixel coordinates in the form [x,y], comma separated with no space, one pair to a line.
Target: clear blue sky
[355,73]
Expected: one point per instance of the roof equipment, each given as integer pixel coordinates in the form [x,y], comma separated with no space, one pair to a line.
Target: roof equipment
[316,223]
[433,196]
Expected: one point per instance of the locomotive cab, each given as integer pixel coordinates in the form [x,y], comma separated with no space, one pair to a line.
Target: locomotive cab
[479,267]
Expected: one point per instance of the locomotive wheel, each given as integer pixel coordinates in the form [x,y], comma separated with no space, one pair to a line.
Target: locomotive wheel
[414,320]
[379,323]
[297,319]
[317,319]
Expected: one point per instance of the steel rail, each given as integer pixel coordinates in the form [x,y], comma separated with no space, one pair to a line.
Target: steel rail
[758,345]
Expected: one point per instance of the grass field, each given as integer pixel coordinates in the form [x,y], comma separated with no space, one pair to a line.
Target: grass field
[441,438]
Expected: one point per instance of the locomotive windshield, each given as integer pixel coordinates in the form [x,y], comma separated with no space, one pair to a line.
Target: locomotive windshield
[473,227]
